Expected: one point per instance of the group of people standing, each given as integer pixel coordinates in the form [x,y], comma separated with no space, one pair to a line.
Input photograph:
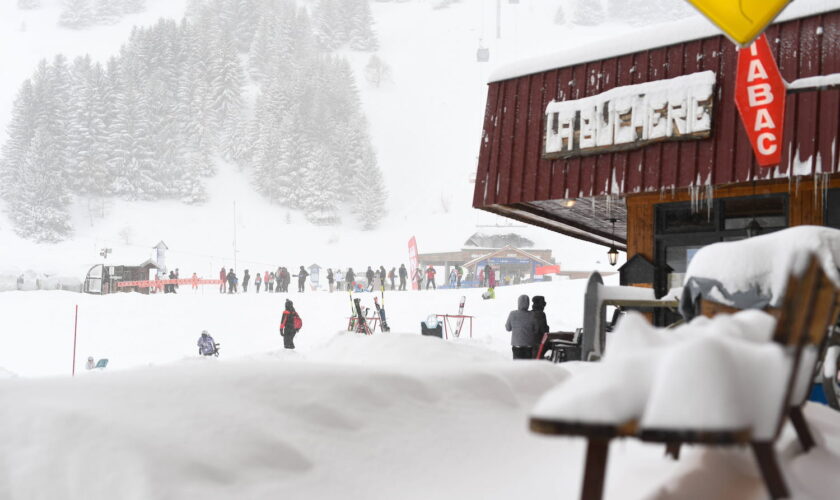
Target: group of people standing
[270,282]
[527,327]
[378,278]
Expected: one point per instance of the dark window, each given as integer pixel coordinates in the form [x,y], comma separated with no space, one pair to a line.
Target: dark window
[681,231]
[832,208]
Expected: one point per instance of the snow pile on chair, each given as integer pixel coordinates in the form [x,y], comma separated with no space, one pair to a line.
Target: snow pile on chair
[719,373]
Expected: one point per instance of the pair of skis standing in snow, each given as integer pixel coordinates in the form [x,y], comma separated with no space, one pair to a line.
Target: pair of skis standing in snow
[358,318]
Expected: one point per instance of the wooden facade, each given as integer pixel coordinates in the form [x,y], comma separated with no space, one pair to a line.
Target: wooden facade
[514,179]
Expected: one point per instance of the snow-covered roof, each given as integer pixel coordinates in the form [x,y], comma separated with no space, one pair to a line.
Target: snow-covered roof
[649,37]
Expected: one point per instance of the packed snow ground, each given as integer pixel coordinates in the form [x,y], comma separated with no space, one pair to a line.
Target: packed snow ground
[344,416]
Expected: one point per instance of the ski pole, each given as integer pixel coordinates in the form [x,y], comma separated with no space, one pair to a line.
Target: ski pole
[75,329]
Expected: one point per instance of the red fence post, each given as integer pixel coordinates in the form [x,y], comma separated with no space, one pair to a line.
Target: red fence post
[75,328]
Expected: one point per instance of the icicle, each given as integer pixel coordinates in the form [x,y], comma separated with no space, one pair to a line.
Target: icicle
[796,192]
[816,188]
[609,206]
[593,206]
[710,194]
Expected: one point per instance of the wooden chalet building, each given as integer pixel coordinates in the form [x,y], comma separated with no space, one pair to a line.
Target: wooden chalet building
[648,134]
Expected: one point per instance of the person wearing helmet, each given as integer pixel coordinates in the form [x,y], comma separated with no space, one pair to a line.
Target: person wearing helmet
[206,345]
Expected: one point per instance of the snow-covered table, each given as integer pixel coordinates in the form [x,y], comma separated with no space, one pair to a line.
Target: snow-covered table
[752,273]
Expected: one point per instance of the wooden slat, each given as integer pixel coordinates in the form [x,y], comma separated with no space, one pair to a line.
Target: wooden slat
[671,166]
[807,131]
[535,129]
[829,99]
[508,112]
[485,149]
[707,150]
[520,133]
[636,158]
[587,164]
[545,167]
[495,146]
[728,121]
[559,175]
[789,66]
[652,174]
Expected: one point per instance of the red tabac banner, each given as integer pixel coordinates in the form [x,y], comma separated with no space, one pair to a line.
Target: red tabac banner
[413,262]
[760,98]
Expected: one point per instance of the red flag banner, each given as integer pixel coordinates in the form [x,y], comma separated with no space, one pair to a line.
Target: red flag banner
[413,261]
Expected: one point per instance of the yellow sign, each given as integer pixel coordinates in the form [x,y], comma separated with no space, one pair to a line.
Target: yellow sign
[741,20]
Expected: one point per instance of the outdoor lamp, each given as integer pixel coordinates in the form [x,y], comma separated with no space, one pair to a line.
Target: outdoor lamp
[612,254]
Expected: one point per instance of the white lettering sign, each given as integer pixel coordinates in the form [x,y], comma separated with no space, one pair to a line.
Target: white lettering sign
[632,116]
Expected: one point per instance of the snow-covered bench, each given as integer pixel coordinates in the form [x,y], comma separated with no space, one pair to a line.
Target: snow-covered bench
[719,381]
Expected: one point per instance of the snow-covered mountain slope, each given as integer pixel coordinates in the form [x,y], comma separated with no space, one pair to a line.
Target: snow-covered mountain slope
[425,122]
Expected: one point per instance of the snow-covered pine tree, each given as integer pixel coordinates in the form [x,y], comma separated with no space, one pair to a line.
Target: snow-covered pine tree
[21,130]
[588,13]
[86,130]
[226,89]
[133,6]
[38,206]
[76,14]
[360,32]
[106,11]
[28,4]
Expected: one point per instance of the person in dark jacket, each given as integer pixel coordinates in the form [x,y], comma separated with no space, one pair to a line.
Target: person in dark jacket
[369,274]
[230,280]
[350,277]
[170,288]
[258,281]
[392,275]
[245,280]
[330,279]
[287,325]
[382,275]
[270,282]
[403,276]
[538,310]
[523,327]
[278,280]
[301,276]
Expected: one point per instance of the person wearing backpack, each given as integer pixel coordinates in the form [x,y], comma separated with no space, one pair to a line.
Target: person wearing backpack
[290,325]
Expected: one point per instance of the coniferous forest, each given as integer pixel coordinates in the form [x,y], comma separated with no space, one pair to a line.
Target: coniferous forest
[150,123]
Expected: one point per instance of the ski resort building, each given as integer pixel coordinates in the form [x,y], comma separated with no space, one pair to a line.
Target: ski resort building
[636,142]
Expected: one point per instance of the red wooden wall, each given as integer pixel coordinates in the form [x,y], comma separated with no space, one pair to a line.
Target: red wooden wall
[511,170]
